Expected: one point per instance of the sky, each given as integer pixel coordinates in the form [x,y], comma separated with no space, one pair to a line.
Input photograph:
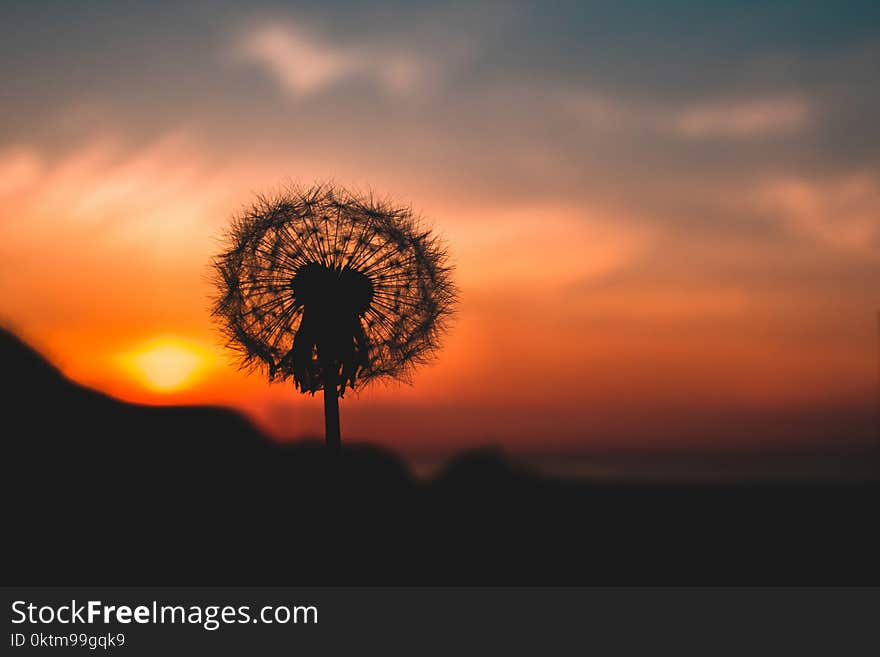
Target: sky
[664,217]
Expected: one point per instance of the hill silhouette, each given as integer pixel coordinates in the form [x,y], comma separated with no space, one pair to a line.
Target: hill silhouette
[102,492]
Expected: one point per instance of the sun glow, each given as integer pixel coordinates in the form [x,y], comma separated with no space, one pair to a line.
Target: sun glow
[165,365]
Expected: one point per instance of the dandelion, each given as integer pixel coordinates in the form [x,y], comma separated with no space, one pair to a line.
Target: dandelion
[332,290]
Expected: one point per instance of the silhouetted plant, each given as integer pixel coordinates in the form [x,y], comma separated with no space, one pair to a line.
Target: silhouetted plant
[332,290]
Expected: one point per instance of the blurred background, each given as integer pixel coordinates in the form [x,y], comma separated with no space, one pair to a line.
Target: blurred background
[665,219]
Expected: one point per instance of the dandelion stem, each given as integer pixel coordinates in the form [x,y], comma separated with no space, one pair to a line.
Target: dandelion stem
[331,410]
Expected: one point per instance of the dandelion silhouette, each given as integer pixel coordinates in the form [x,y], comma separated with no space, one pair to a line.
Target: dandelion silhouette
[332,290]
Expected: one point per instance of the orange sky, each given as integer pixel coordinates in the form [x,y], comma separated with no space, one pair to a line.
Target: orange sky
[634,265]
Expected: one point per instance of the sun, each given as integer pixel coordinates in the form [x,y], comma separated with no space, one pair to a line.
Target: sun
[165,365]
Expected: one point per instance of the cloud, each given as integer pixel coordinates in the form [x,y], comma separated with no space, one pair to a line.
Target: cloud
[742,118]
[301,64]
[154,198]
[840,212]
[18,166]
[304,63]
[544,246]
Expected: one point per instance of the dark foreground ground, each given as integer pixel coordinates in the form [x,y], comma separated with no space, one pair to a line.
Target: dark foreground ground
[98,492]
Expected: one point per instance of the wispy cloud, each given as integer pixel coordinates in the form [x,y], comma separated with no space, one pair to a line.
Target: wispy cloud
[18,167]
[842,212]
[741,118]
[105,191]
[304,62]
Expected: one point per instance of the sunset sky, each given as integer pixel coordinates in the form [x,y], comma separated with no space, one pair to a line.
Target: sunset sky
[665,217]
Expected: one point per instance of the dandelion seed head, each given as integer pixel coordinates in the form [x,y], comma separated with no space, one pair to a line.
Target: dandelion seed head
[319,282]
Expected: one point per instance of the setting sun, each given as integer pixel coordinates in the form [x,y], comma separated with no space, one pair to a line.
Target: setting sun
[165,365]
